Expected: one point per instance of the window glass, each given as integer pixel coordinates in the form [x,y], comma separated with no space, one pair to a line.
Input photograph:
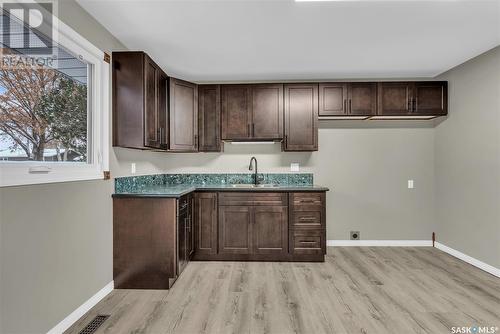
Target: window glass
[44,98]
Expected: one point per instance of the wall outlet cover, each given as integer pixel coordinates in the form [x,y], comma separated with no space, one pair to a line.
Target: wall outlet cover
[410,184]
[294,167]
[132,168]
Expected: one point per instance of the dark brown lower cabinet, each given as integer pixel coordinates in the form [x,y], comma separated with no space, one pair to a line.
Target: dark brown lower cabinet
[235,230]
[270,230]
[253,230]
[153,241]
[307,231]
[145,232]
[155,238]
[185,232]
[205,220]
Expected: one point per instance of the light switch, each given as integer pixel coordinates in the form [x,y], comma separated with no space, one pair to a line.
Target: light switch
[294,167]
[132,168]
[410,184]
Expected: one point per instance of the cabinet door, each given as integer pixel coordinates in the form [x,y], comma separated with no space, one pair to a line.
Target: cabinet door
[205,214]
[267,111]
[190,229]
[301,117]
[151,108]
[236,119]
[430,98]
[162,109]
[209,118]
[182,256]
[270,230]
[333,99]
[183,116]
[362,98]
[394,98]
[235,230]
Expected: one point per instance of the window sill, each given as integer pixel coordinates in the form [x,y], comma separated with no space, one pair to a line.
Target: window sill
[14,178]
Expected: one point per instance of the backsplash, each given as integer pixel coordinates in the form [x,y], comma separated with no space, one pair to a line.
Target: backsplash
[134,183]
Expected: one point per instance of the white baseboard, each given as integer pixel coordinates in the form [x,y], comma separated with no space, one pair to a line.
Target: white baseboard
[80,311]
[464,257]
[382,243]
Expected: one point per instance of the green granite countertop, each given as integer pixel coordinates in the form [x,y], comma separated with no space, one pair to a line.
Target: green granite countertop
[176,191]
[177,185]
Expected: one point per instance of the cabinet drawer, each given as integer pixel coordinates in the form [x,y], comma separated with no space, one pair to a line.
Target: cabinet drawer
[308,241]
[241,198]
[306,201]
[307,219]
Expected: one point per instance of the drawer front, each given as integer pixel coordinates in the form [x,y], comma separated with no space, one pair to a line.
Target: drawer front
[307,241]
[306,201]
[307,219]
[242,198]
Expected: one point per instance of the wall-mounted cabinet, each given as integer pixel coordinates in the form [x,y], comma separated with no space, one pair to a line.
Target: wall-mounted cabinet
[183,116]
[139,102]
[198,118]
[356,100]
[301,117]
[252,112]
[209,118]
[419,100]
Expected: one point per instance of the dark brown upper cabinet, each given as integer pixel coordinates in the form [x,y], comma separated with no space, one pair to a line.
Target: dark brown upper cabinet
[236,119]
[430,98]
[209,118]
[362,98]
[252,112]
[394,98]
[267,112]
[301,117]
[333,99]
[347,99]
[183,116]
[139,102]
[413,99]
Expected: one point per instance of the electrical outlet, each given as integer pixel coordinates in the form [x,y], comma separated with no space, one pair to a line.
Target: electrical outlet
[410,184]
[294,167]
[355,235]
[132,168]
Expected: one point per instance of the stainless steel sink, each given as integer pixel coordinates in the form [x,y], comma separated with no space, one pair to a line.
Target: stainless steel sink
[263,185]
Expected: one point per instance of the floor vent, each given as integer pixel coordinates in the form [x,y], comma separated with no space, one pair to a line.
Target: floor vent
[94,324]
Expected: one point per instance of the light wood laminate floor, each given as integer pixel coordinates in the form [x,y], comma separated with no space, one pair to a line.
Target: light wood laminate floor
[357,290]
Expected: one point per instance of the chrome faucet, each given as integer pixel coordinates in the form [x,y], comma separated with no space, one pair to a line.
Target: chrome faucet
[250,167]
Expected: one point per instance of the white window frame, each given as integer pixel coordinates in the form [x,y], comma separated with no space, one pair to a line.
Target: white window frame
[14,173]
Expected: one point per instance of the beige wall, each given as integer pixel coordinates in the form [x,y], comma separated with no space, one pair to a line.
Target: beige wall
[468,160]
[56,239]
[366,169]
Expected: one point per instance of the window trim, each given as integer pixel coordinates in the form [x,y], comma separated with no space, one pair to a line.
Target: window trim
[15,173]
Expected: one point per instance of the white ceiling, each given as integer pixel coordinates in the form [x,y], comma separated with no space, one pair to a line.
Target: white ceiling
[286,40]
